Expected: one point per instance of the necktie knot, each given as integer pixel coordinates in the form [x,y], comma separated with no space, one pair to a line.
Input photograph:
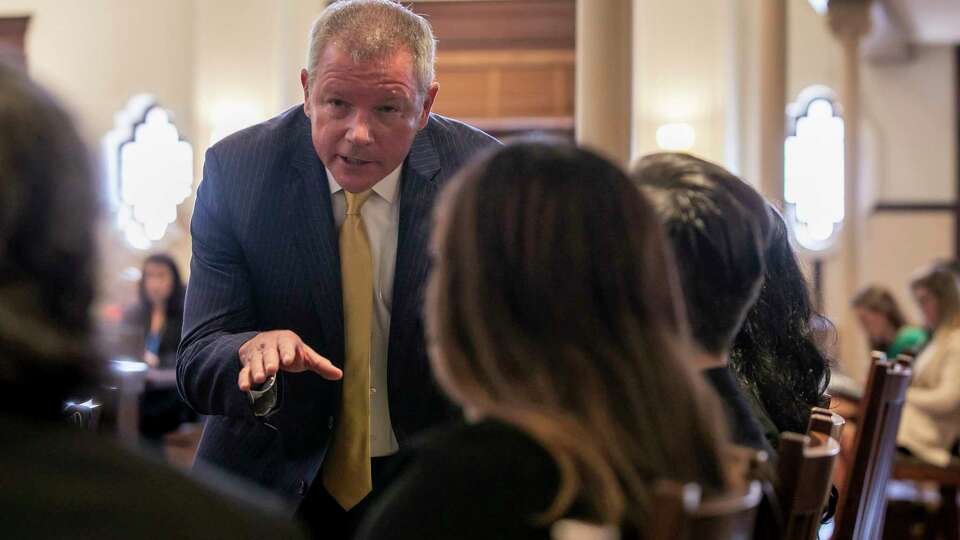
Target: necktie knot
[355,201]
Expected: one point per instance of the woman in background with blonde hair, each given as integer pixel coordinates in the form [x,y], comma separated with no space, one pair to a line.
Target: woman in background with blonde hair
[554,321]
[930,424]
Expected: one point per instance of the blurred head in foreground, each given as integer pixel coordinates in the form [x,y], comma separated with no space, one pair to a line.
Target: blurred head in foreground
[553,307]
[47,251]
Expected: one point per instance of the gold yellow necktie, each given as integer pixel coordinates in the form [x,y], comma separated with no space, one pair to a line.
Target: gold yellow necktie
[346,469]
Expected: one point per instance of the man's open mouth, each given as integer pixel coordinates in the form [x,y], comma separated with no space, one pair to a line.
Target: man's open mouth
[354,161]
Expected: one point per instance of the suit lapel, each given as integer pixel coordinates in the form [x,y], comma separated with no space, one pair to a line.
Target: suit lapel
[316,236]
[417,194]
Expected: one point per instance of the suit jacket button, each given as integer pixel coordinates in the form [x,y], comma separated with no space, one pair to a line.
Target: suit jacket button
[302,488]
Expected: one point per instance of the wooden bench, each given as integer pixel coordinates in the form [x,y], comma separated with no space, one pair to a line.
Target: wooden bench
[861,511]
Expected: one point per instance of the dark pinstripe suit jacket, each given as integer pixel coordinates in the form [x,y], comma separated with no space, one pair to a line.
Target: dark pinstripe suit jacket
[265,257]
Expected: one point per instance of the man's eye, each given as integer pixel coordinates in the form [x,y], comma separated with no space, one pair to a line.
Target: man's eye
[337,103]
[389,109]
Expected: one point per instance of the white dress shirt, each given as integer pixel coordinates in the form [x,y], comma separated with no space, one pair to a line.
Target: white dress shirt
[381,217]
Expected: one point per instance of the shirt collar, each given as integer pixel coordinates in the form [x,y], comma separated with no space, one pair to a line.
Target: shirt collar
[385,188]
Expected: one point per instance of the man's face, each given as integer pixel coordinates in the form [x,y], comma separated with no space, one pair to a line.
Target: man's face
[364,116]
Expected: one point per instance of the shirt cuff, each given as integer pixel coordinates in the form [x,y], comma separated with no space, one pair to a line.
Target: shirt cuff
[264,400]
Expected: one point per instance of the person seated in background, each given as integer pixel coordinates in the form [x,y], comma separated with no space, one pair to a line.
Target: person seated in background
[777,354]
[884,323]
[554,320]
[158,318]
[718,227]
[59,481]
[930,422]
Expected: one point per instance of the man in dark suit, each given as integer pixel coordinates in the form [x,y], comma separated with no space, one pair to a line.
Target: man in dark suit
[302,332]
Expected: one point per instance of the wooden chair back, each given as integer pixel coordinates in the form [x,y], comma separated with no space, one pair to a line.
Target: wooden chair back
[681,514]
[805,472]
[861,512]
[826,422]
[905,359]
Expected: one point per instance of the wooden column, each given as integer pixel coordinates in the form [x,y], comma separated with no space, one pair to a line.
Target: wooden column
[773,97]
[956,197]
[850,21]
[604,76]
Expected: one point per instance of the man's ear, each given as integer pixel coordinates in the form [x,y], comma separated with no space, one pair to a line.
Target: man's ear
[428,104]
[305,82]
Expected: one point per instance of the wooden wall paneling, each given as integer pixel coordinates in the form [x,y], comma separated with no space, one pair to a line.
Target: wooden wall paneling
[494,91]
[510,25]
[509,84]
[507,67]
[13,33]
[463,92]
[529,92]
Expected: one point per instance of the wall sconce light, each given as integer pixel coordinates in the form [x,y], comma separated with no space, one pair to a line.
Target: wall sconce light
[675,137]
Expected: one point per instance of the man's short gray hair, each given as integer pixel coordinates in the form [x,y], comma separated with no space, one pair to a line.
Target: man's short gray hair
[373,29]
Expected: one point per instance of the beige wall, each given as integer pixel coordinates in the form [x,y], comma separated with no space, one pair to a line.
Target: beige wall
[94,55]
[681,72]
[910,115]
[214,64]
[248,60]
[898,244]
[813,55]
[97,53]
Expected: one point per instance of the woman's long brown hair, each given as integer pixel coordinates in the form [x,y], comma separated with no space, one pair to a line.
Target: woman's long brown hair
[553,307]
[881,300]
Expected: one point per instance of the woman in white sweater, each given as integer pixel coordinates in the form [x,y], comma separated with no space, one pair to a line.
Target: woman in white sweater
[930,424]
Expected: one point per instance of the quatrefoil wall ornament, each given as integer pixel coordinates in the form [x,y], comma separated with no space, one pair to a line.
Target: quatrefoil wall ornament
[814,169]
[150,171]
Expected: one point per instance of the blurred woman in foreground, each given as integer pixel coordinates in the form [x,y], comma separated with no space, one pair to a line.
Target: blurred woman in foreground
[61,482]
[555,322]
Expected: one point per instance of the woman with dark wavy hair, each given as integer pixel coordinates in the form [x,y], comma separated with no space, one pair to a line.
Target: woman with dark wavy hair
[718,228]
[777,353]
[555,321]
